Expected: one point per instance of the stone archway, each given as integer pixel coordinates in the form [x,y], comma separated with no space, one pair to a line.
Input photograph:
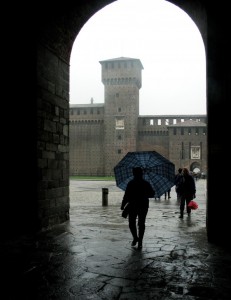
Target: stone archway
[195,167]
[203,14]
[41,104]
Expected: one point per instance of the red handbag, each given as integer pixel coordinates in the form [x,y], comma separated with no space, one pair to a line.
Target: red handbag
[193,205]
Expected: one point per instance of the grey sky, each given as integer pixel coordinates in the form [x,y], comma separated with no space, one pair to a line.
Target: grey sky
[162,36]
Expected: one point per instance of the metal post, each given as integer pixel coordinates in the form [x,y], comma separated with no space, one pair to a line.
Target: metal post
[104,197]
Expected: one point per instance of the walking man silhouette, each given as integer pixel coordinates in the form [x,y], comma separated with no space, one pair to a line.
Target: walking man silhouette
[137,194]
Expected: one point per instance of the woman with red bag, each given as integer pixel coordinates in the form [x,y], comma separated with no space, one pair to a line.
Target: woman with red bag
[188,192]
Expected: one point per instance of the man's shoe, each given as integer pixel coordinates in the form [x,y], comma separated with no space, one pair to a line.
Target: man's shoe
[134,242]
[140,245]
[181,216]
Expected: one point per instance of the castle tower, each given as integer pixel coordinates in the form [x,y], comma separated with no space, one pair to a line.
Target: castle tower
[122,79]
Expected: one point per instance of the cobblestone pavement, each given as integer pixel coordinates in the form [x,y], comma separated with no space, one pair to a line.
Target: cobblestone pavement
[90,257]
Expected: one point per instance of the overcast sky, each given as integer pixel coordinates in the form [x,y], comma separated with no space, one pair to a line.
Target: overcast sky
[162,36]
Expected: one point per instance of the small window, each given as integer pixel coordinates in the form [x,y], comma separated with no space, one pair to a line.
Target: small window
[119,123]
[195,152]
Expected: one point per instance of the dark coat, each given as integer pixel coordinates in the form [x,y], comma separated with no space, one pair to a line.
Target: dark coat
[178,181]
[188,186]
[137,193]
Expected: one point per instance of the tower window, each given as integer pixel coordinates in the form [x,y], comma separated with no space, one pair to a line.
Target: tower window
[119,123]
[195,152]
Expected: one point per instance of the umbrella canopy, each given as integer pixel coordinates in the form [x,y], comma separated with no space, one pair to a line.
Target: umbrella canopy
[158,170]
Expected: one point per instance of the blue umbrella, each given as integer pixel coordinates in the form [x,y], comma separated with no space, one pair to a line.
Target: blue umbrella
[158,170]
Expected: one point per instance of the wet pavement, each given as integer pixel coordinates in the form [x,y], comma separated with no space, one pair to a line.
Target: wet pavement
[90,257]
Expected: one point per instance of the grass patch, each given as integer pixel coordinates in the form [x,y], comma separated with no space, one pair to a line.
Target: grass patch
[106,178]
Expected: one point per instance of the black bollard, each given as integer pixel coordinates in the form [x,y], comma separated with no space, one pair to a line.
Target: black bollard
[104,197]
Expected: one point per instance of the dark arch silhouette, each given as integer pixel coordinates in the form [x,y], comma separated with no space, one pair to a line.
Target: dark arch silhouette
[35,148]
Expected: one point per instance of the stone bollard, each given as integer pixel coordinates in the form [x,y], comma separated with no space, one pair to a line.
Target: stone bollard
[104,197]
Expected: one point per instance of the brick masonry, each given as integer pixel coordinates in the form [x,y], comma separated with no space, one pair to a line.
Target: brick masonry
[101,134]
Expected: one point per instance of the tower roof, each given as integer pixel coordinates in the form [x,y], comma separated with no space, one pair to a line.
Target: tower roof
[122,58]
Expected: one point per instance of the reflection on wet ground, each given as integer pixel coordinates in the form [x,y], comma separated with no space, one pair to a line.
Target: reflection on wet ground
[90,256]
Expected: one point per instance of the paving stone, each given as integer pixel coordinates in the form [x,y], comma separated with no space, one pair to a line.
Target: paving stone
[90,257]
